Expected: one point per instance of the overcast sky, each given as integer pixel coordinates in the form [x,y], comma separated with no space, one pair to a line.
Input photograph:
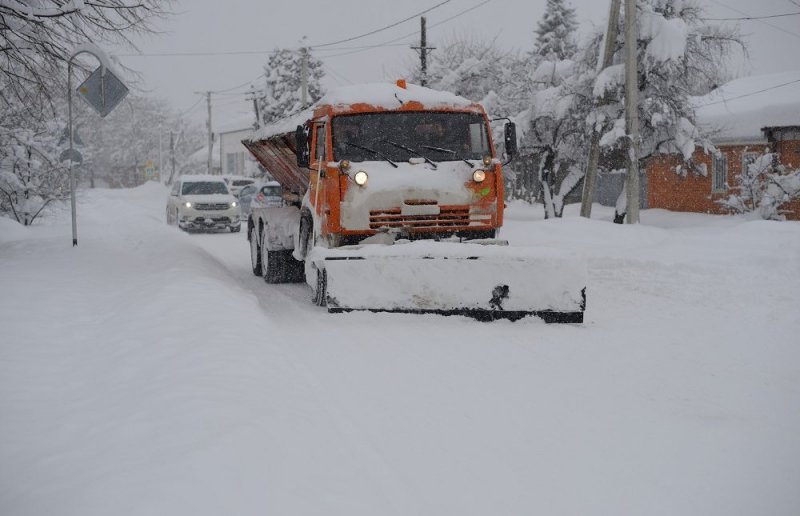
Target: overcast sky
[260,26]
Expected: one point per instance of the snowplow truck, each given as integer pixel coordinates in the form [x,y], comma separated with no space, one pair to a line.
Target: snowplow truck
[392,200]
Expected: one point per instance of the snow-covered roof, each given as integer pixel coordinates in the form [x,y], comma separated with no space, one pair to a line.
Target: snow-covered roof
[201,155]
[738,110]
[383,95]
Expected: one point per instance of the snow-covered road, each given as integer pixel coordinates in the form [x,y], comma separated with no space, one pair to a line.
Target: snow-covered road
[149,372]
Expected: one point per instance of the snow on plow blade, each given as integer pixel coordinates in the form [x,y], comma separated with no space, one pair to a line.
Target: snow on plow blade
[481,281]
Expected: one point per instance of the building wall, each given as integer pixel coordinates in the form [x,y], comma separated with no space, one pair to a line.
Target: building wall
[234,157]
[692,192]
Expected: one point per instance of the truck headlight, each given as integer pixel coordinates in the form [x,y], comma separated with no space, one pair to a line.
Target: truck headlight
[187,204]
[478,176]
[360,178]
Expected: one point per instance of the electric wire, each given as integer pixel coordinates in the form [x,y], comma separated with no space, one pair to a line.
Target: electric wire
[750,94]
[395,24]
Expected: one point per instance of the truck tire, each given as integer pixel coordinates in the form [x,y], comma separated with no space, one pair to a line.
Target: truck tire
[320,295]
[255,252]
[271,261]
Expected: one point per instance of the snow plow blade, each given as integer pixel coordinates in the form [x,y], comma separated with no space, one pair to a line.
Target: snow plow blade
[481,281]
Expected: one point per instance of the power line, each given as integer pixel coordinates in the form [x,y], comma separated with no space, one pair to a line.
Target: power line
[248,83]
[411,34]
[759,21]
[750,94]
[370,33]
[753,17]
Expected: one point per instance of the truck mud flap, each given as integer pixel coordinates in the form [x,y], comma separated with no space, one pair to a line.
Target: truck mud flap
[485,287]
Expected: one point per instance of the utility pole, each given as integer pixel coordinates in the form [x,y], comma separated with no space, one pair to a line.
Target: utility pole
[160,155]
[171,156]
[632,111]
[210,133]
[304,76]
[255,107]
[423,52]
[590,178]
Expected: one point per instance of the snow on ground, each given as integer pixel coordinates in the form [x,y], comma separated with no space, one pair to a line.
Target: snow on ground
[148,372]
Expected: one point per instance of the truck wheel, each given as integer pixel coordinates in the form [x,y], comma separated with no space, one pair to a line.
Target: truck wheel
[320,296]
[255,252]
[271,261]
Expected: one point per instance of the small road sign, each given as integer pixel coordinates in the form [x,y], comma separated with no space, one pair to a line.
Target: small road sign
[102,91]
[149,169]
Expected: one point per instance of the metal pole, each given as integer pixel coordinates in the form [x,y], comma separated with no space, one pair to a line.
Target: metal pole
[423,53]
[304,75]
[590,177]
[71,152]
[632,111]
[160,156]
[210,134]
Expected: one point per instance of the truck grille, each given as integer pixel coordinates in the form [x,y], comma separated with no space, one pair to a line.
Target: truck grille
[449,217]
[211,206]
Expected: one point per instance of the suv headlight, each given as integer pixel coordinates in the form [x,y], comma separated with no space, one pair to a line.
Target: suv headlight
[234,204]
[187,204]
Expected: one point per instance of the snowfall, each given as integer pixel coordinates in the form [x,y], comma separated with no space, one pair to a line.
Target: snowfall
[148,372]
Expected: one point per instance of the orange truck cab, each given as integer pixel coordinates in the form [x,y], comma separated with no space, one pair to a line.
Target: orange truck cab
[398,159]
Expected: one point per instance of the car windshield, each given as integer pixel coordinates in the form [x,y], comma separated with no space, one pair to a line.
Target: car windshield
[437,136]
[204,188]
[272,191]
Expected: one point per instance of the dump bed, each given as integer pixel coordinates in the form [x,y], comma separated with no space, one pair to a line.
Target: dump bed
[277,155]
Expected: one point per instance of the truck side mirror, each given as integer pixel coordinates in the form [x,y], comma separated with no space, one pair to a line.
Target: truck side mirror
[302,148]
[510,139]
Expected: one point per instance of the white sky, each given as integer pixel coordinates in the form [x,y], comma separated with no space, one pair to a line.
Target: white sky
[250,25]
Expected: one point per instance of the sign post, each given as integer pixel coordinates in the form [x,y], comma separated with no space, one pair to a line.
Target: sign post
[103,91]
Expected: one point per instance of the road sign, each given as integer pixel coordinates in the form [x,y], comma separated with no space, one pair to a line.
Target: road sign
[149,169]
[102,91]
[72,155]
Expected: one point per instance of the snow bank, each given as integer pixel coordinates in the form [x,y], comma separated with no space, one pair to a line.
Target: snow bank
[148,371]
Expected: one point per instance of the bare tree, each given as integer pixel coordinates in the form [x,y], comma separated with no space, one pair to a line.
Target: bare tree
[36,39]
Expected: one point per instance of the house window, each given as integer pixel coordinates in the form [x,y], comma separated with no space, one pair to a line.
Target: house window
[748,158]
[719,176]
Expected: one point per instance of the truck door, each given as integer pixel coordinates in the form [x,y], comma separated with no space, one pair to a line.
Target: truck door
[318,162]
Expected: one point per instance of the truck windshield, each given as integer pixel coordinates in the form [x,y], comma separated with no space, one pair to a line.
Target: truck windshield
[436,136]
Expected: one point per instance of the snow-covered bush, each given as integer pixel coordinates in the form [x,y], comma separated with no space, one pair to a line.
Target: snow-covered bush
[764,188]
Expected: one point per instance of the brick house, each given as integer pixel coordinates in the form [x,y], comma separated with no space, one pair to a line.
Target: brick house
[746,117]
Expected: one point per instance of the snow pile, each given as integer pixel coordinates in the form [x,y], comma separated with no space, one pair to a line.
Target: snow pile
[738,110]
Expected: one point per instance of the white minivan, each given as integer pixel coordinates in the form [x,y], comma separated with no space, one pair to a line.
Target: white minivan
[202,202]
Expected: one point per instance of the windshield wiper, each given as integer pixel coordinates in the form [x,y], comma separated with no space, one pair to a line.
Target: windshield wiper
[449,151]
[412,151]
[373,151]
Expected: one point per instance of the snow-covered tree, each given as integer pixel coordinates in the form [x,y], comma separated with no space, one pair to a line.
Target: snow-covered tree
[282,94]
[552,125]
[37,38]
[118,146]
[680,54]
[555,32]
[30,174]
[481,71]
[764,188]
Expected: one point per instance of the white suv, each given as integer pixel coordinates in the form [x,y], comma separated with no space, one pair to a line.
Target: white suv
[202,202]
